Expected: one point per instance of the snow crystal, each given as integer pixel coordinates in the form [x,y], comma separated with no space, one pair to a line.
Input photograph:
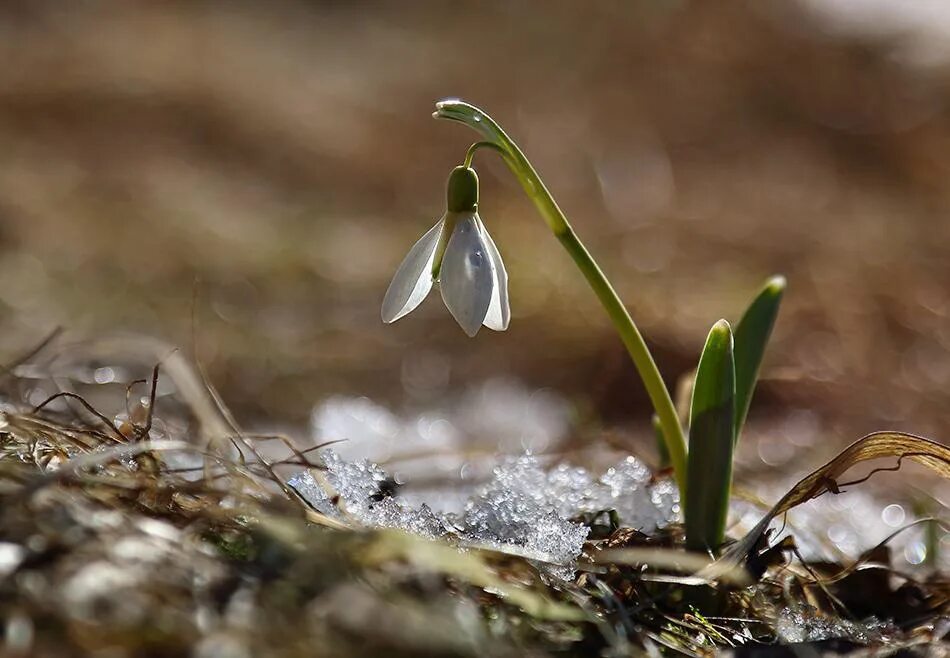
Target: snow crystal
[389,513]
[626,488]
[521,487]
[355,482]
[665,504]
[523,506]
[569,488]
[806,624]
[357,489]
[517,508]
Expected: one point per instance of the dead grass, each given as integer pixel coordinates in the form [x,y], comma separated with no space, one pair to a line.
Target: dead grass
[118,539]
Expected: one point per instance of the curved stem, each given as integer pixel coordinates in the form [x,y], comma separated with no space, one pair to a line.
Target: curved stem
[470,154]
[473,117]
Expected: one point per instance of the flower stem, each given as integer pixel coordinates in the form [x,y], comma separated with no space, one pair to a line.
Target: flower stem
[496,138]
[470,154]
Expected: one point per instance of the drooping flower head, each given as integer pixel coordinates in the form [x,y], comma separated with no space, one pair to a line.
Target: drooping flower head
[459,255]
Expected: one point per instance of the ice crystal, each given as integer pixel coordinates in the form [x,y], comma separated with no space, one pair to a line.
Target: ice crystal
[523,507]
[356,489]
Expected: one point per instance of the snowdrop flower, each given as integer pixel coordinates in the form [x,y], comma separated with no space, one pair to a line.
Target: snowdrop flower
[459,255]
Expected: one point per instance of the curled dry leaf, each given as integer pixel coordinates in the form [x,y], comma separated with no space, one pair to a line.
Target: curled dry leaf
[878,445]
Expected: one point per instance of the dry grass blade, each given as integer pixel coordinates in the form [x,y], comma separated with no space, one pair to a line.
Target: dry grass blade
[470,567]
[878,445]
[188,382]
[672,560]
[98,459]
[117,435]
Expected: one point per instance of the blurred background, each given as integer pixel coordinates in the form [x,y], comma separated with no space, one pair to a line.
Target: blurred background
[251,174]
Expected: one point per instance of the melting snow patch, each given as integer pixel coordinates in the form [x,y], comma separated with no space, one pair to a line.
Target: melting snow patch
[523,507]
[516,418]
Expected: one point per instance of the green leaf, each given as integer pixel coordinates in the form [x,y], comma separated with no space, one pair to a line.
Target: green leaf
[752,335]
[711,442]
[663,452]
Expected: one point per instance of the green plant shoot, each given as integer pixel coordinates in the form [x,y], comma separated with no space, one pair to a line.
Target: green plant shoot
[663,453]
[711,442]
[499,141]
[751,337]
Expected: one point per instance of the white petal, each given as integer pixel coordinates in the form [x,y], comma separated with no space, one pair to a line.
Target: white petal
[467,277]
[499,312]
[413,280]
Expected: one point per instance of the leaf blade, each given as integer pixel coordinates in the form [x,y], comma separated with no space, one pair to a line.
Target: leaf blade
[711,442]
[751,338]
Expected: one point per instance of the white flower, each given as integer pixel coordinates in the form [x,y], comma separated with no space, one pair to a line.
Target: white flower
[459,255]
[471,275]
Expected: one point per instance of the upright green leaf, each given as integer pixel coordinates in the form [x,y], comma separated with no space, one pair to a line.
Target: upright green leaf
[711,442]
[752,335]
[663,452]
